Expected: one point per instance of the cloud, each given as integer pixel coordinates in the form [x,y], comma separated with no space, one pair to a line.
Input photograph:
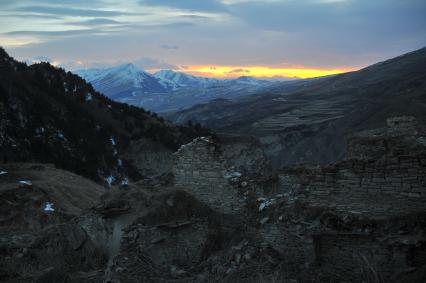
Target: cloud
[95,22]
[169,47]
[153,63]
[52,33]
[238,71]
[191,5]
[66,11]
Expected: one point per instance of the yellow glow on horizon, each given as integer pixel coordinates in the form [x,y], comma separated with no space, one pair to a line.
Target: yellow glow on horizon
[261,71]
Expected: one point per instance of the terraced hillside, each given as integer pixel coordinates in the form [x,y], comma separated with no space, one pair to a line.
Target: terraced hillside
[312,122]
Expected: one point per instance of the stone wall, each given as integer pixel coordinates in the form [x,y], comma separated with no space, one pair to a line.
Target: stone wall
[245,154]
[200,169]
[359,258]
[385,176]
[402,124]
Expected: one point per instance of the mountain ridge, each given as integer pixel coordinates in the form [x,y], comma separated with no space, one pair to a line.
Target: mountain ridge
[310,123]
[166,90]
[53,116]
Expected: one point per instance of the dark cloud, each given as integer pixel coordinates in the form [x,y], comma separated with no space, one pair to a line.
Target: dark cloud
[191,5]
[238,71]
[338,22]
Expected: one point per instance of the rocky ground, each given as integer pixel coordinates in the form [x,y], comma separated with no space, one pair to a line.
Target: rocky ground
[300,225]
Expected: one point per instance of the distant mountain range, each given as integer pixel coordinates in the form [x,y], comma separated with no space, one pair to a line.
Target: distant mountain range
[309,121]
[167,90]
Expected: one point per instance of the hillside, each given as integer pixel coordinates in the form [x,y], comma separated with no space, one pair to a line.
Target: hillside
[49,115]
[312,122]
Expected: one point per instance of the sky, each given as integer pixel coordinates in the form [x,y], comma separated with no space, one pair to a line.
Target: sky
[219,38]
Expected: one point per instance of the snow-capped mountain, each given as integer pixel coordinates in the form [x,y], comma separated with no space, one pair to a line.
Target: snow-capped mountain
[166,90]
[181,79]
[249,81]
[124,81]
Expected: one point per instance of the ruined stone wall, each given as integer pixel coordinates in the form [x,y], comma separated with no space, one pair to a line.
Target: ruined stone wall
[200,169]
[244,154]
[396,186]
[388,179]
[359,258]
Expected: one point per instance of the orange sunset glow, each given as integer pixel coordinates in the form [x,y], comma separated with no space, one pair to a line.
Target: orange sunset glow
[261,71]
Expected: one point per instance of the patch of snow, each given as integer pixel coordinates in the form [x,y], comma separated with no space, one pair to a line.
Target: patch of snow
[89,97]
[40,130]
[115,152]
[113,141]
[48,207]
[120,162]
[110,179]
[233,175]
[3,173]
[125,182]
[61,136]
[205,139]
[25,182]
[264,203]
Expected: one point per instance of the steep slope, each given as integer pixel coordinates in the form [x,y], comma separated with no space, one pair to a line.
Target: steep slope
[181,79]
[311,122]
[49,115]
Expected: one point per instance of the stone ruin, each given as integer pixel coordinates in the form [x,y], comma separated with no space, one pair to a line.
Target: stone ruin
[200,169]
[382,179]
[402,125]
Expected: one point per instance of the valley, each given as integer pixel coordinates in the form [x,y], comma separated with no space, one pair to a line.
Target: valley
[310,123]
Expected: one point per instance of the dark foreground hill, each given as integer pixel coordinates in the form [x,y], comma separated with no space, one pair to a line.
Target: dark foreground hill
[49,115]
[312,123]
[357,220]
